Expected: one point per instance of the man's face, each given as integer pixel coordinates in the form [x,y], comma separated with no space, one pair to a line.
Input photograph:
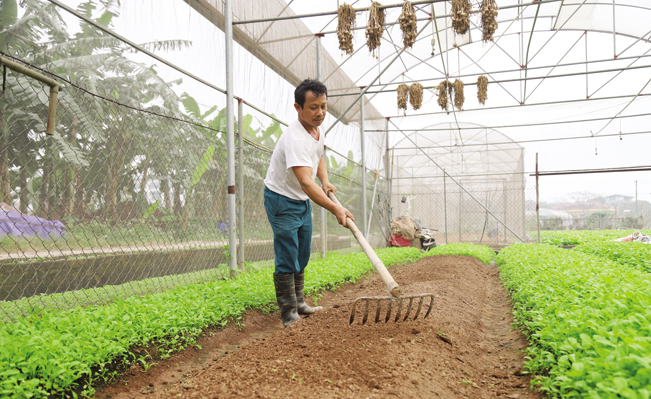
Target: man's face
[314,109]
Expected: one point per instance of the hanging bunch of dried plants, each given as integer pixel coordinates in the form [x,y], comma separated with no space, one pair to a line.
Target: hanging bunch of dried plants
[482,89]
[488,19]
[374,27]
[408,25]
[461,16]
[416,95]
[443,89]
[345,25]
[403,91]
[458,94]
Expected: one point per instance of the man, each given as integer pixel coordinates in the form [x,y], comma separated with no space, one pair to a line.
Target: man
[289,186]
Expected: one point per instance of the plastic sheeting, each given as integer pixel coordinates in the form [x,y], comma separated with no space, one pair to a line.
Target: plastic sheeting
[19,225]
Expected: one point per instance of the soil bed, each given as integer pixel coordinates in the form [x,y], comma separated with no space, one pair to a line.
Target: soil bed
[464,349]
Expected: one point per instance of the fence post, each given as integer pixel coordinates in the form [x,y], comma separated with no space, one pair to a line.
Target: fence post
[363,145]
[322,212]
[230,137]
[240,184]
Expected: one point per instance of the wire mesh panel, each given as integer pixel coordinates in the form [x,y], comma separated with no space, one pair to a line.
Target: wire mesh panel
[117,194]
[125,200]
[453,183]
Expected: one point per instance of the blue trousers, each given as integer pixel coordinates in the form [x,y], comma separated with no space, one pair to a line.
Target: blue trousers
[291,222]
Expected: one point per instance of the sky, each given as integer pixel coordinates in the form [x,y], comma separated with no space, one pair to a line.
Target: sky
[150,20]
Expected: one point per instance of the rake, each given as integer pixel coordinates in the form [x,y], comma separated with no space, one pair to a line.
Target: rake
[396,297]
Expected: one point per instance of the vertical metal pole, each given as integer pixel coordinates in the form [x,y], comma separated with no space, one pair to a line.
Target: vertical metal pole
[445,206]
[505,208]
[393,153]
[636,198]
[363,144]
[322,212]
[537,202]
[370,215]
[52,110]
[230,137]
[240,184]
[460,210]
[614,33]
[387,174]
[587,93]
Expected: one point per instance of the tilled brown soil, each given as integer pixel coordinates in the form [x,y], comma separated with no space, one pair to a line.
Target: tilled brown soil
[464,349]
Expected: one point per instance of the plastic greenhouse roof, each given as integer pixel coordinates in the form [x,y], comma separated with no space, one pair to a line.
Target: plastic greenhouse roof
[565,76]
[289,45]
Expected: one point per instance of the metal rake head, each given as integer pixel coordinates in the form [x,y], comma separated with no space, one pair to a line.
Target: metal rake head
[391,301]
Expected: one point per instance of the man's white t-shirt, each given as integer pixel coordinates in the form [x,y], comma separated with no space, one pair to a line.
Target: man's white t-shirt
[296,147]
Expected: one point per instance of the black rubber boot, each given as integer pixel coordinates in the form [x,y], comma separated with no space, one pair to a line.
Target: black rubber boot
[299,285]
[286,297]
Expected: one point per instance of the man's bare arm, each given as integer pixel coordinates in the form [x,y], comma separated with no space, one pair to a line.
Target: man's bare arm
[322,174]
[318,195]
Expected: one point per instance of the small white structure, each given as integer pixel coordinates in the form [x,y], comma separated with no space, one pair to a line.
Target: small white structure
[567,221]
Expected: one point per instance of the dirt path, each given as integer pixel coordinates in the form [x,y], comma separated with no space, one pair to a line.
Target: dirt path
[464,349]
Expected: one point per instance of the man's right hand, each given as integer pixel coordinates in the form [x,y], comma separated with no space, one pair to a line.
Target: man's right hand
[342,213]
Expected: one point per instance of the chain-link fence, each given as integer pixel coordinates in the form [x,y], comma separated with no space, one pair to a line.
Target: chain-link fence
[496,215]
[123,200]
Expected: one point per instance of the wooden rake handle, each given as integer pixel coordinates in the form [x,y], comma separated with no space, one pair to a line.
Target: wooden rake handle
[392,286]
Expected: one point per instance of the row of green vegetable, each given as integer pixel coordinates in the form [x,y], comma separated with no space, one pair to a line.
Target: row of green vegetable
[633,254]
[588,318]
[64,351]
[576,237]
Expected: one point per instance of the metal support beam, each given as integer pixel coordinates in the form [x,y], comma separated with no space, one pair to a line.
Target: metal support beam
[363,145]
[240,185]
[445,205]
[460,211]
[614,33]
[322,211]
[54,89]
[52,110]
[537,202]
[230,138]
[326,13]
[387,173]
[370,216]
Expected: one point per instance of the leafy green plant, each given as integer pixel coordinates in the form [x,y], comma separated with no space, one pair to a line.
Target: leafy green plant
[63,350]
[576,237]
[633,254]
[587,319]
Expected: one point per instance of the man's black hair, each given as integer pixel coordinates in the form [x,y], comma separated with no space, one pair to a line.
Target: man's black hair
[312,85]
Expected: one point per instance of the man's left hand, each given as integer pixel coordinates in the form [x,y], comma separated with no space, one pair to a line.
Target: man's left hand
[329,188]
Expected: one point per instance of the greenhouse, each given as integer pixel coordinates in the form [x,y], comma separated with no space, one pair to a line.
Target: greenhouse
[136,137]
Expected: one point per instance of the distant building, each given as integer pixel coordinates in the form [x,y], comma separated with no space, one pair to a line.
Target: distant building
[577,209]
[558,219]
[611,199]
